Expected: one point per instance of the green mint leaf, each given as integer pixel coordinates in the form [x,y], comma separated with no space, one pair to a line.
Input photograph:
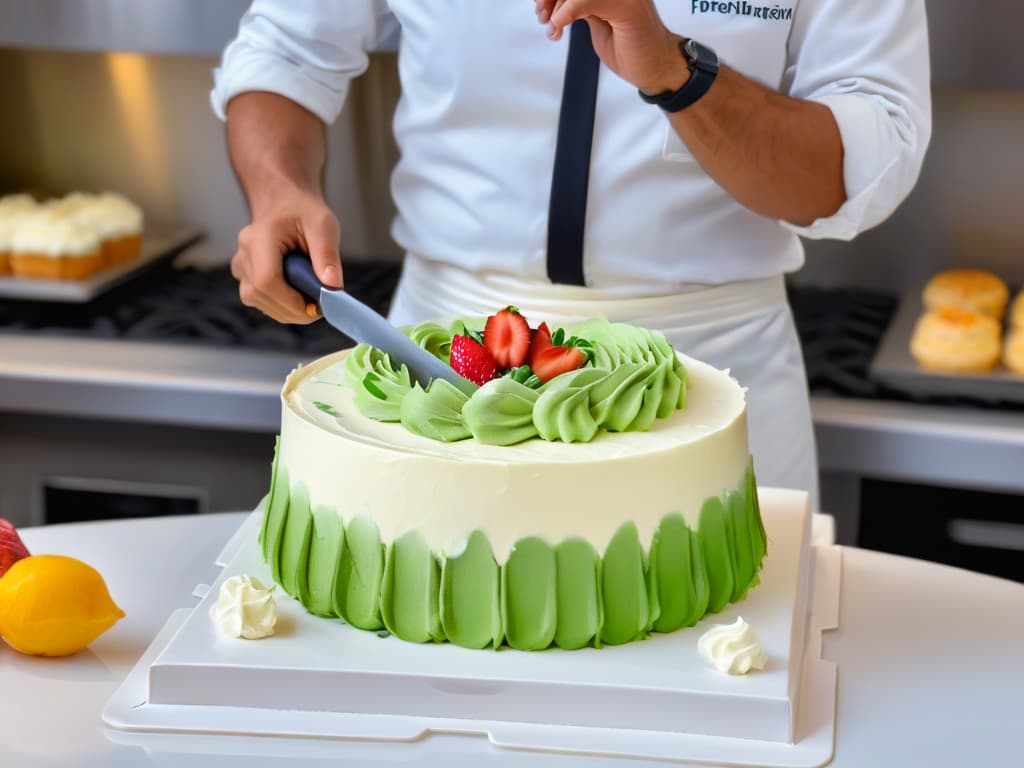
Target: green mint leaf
[326,408]
[475,335]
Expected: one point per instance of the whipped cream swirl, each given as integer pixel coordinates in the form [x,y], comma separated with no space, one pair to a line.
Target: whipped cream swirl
[732,648]
[244,608]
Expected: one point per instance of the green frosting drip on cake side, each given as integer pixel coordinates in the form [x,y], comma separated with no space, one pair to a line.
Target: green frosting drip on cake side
[634,378]
[566,594]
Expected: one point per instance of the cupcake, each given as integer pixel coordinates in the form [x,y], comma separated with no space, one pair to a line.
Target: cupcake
[13,209]
[49,244]
[117,222]
[972,290]
[957,341]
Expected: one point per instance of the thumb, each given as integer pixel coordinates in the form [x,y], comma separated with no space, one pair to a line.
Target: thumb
[322,243]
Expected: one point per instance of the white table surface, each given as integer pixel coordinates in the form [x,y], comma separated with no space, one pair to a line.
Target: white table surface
[931,666]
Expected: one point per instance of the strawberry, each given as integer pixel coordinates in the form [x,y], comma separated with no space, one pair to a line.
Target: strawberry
[553,361]
[507,337]
[472,361]
[541,341]
[11,547]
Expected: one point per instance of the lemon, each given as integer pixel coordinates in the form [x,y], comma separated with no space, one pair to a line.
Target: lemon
[52,605]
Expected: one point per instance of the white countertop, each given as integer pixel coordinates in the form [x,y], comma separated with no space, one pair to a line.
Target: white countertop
[930,662]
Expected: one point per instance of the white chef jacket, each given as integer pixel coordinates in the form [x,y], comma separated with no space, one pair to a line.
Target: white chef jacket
[478,117]
[664,244]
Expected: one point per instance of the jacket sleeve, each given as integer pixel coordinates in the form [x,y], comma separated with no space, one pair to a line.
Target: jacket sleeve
[867,62]
[305,50]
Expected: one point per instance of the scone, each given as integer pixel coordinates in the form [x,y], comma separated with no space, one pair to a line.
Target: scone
[957,341]
[1015,319]
[1013,353]
[13,209]
[52,246]
[974,290]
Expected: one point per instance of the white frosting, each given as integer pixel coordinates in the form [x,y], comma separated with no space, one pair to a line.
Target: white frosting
[14,209]
[553,490]
[732,648]
[48,233]
[244,608]
[111,216]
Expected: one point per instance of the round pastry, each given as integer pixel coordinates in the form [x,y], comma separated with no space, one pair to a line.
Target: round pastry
[957,341]
[1013,353]
[973,290]
[1015,318]
[49,245]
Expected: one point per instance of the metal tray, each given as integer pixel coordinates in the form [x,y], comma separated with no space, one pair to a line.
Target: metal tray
[158,242]
[894,366]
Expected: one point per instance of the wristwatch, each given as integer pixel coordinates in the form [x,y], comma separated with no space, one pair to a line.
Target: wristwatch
[703,64]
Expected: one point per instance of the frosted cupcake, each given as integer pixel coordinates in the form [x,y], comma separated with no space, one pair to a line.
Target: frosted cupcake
[13,210]
[47,244]
[117,222]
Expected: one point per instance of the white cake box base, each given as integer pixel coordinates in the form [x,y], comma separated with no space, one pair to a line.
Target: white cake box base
[651,699]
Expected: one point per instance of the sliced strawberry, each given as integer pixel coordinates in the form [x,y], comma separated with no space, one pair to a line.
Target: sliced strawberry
[507,337]
[11,547]
[557,360]
[541,341]
[472,361]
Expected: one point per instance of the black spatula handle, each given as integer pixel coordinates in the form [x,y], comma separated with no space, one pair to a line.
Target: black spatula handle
[299,274]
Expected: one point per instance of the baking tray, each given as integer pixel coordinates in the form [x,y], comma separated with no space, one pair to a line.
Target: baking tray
[405,691]
[894,366]
[158,243]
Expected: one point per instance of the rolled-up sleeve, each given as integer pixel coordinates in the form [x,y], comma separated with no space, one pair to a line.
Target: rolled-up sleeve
[305,50]
[868,63]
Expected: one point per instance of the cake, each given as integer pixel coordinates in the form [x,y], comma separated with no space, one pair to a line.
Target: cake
[54,245]
[587,501]
[1013,352]
[13,209]
[972,290]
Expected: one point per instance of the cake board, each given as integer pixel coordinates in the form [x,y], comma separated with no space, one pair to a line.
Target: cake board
[652,699]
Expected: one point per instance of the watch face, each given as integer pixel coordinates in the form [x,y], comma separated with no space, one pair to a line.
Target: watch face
[701,56]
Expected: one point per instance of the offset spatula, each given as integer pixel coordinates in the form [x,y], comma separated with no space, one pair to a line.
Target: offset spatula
[362,324]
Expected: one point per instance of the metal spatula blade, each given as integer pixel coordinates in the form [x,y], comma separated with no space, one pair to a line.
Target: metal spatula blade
[364,325]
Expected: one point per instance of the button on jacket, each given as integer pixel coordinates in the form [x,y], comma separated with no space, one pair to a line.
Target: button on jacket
[478,117]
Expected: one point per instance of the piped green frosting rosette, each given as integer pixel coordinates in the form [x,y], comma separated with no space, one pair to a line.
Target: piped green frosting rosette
[633,378]
[563,594]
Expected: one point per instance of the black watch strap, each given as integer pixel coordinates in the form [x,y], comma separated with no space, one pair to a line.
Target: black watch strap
[703,64]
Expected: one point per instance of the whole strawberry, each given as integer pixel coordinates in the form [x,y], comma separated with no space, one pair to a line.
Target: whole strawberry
[11,547]
[472,361]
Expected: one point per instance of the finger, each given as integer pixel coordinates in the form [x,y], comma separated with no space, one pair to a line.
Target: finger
[544,8]
[321,234]
[564,13]
[265,279]
[600,34]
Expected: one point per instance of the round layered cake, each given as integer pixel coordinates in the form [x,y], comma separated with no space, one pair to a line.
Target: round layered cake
[591,508]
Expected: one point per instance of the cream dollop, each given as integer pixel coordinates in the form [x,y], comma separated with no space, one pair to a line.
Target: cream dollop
[732,648]
[244,608]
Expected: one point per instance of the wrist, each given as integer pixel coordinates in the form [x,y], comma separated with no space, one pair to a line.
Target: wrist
[673,71]
[280,192]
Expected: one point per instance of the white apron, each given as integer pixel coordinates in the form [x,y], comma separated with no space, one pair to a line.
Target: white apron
[745,327]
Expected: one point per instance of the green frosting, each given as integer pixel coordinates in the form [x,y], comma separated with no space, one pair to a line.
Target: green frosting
[529,589]
[360,575]
[634,378]
[409,593]
[567,595]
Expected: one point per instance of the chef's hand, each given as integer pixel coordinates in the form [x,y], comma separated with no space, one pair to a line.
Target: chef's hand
[628,36]
[277,149]
[292,219]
